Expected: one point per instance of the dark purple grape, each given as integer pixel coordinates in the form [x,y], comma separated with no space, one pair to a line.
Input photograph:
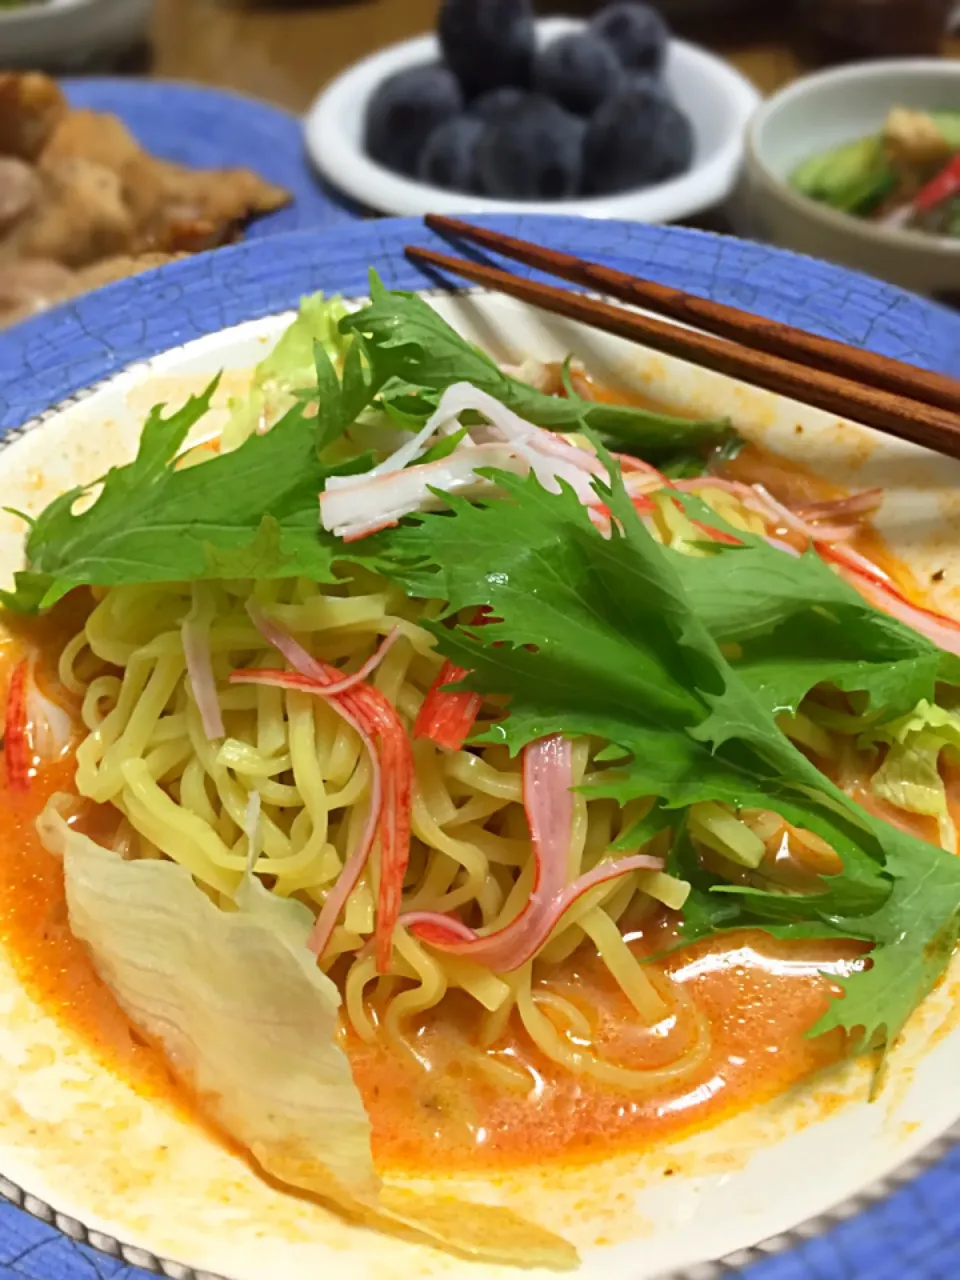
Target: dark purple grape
[578,71]
[487,43]
[535,154]
[498,104]
[405,110]
[635,32]
[449,157]
[635,139]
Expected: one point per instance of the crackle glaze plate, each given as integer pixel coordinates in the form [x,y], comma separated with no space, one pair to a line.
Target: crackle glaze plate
[821,1184]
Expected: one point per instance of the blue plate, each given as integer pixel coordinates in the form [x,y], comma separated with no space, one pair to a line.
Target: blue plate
[215,129]
[908,1227]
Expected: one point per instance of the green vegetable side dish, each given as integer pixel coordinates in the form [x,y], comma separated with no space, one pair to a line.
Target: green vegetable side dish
[879,177]
[614,639]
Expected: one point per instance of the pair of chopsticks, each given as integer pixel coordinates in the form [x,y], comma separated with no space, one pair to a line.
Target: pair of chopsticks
[896,398]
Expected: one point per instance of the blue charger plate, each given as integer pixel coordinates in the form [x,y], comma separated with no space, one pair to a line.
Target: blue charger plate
[217,129]
[908,1226]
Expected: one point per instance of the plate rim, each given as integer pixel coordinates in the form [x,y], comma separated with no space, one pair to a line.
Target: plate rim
[262,281]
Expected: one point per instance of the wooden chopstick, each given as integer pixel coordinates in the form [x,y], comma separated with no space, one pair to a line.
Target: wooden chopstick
[899,416]
[757,332]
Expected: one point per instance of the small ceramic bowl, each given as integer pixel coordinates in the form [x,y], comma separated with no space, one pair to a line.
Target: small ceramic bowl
[68,33]
[718,100]
[819,112]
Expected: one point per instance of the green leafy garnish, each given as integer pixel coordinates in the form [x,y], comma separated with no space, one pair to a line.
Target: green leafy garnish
[619,639]
[442,449]
[407,341]
[253,511]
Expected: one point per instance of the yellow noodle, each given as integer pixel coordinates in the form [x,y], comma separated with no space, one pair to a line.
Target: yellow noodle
[105,689]
[426,828]
[560,1048]
[431,989]
[362,972]
[485,987]
[574,1020]
[67,666]
[358,913]
[476,809]
[479,776]
[621,962]
[245,759]
[433,892]
[184,797]
[493,1025]
[499,1069]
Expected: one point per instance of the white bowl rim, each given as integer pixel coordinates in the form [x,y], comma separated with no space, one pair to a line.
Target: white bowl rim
[48,9]
[353,171]
[892,237]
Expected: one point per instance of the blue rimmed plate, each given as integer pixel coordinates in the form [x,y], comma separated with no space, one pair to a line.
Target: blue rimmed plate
[216,129]
[813,1178]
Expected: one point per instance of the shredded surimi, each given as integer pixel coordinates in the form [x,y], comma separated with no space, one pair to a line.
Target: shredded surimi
[377,724]
[355,506]
[548,801]
[388,497]
[37,730]
[195,636]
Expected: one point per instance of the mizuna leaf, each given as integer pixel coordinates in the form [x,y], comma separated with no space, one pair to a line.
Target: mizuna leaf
[253,510]
[618,639]
[409,341]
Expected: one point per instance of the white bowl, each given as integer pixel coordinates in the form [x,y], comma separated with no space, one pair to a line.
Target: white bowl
[68,33]
[819,112]
[718,100]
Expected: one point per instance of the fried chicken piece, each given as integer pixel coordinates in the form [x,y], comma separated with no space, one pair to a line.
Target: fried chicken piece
[91,135]
[81,217]
[169,202]
[226,196]
[106,141]
[113,269]
[31,106]
[20,190]
[194,235]
[96,207]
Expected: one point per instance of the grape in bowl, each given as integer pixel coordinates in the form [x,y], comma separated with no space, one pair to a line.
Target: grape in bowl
[697,104]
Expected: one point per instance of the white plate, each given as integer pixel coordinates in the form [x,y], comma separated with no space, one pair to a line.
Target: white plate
[125,1166]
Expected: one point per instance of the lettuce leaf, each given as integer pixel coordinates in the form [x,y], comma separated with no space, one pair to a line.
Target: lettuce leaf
[236,1000]
[909,776]
[910,779]
[925,717]
[289,368]
[249,1022]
